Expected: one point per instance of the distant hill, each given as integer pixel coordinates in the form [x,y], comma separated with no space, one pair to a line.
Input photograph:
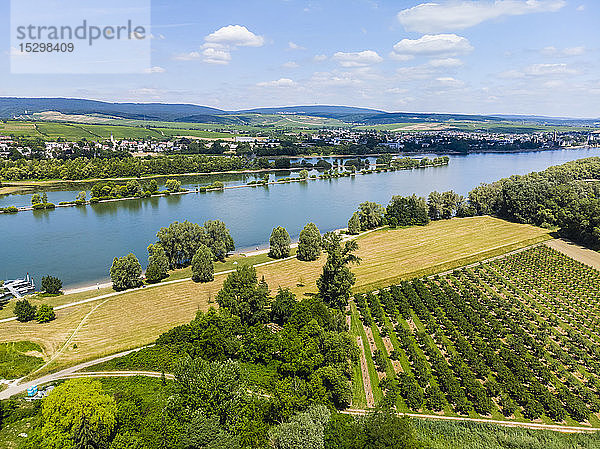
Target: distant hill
[12,107]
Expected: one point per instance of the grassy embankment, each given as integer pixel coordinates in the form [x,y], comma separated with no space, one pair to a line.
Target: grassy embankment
[136,318]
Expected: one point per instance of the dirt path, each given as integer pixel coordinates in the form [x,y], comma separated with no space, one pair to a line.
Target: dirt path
[365,375]
[524,425]
[577,252]
[16,387]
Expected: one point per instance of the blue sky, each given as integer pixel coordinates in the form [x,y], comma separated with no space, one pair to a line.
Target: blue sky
[504,56]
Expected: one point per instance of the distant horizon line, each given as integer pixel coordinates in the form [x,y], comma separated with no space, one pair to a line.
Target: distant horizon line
[290,106]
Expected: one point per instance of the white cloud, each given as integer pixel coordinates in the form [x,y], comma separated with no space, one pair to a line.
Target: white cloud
[581,8]
[155,69]
[448,81]
[320,58]
[446,62]
[234,36]
[357,59]
[218,46]
[291,65]
[399,57]
[437,44]
[216,56]
[188,56]
[295,46]
[565,52]
[282,82]
[458,15]
[549,69]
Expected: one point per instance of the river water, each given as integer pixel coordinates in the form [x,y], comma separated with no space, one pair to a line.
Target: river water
[77,244]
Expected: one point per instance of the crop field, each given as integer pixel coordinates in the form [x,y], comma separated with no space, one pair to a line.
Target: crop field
[515,338]
[77,131]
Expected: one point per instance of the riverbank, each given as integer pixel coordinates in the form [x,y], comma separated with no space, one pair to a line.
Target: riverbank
[205,189]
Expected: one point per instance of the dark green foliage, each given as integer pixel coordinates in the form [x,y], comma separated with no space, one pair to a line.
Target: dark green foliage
[354,224]
[126,272]
[45,313]
[202,265]
[279,243]
[283,306]
[370,215]
[336,282]
[309,244]
[158,264]
[51,284]
[407,211]
[24,311]
[244,296]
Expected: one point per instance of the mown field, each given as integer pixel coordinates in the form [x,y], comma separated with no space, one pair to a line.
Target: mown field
[515,338]
[136,318]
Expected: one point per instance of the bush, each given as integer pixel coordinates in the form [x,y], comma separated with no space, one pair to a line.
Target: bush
[94,200]
[24,311]
[51,284]
[45,314]
[173,185]
[10,210]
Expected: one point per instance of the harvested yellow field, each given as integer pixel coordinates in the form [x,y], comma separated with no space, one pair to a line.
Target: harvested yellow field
[136,318]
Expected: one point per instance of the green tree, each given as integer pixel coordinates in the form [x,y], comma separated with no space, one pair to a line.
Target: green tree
[354,224]
[435,205]
[385,429]
[158,264]
[45,313]
[36,198]
[336,281]
[283,306]
[24,311]
[173,185]
[45,198]
[450,202]
[202,265]
[279,243]
[408,211]
[152,186]
[77,412]
[244,296]
[218,239]
[126,272]
[51,285]
[303,174]
[371,215]
[81,197]
[309,244]
[305,430]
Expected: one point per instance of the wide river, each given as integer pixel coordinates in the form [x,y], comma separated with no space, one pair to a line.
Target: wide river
[77,244]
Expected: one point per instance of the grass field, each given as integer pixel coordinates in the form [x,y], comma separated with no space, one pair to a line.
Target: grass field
[19,358]
[136,318]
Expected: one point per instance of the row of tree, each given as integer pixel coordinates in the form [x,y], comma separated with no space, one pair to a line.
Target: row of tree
[407,211]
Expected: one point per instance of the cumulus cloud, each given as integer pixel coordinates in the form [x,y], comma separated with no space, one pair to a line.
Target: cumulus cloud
[282,82]
[234,36]
[432,45]
[295,46]
[448,81]
[188,56]
[320,58]
[565,52]
[446,62]
[155,69]
[549,69]
[213,55]
[291,65]
[357,59]
[458,15]
[218,45]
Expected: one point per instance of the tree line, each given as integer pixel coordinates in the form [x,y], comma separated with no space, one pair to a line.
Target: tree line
[566,197]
